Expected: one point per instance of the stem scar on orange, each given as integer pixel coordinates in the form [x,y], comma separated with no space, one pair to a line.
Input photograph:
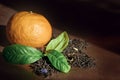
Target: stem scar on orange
[28,28]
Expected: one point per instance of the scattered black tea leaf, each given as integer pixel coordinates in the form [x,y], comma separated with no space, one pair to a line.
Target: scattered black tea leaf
[75,54]
[43,67]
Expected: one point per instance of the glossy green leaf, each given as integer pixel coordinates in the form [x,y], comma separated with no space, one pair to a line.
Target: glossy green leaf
[20,54]
[59,44]
[58,60]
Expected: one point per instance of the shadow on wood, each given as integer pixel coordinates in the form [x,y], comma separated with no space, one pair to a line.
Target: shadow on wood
[3,40]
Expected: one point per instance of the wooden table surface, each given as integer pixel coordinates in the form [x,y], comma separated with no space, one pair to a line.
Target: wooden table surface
[107,68]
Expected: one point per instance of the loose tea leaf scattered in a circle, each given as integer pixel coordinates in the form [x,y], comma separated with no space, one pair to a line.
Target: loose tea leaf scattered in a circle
[75,54]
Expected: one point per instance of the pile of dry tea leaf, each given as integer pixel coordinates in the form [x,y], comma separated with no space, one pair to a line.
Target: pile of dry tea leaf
[43,67]
[75,54]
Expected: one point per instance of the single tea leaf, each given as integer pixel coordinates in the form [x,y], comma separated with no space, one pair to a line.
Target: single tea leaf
[59,43]
[58,60]
[20,54]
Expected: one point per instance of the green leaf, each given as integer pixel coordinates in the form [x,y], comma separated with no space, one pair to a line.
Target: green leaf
[20,54]
[59,44]
[58,60]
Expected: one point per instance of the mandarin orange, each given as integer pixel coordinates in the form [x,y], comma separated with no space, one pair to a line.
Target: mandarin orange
[28,28]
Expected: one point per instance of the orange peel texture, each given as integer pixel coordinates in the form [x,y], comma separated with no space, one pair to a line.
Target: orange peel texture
[28,28]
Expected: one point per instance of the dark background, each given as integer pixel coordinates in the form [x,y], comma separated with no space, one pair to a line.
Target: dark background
[95,20]
[95,17]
